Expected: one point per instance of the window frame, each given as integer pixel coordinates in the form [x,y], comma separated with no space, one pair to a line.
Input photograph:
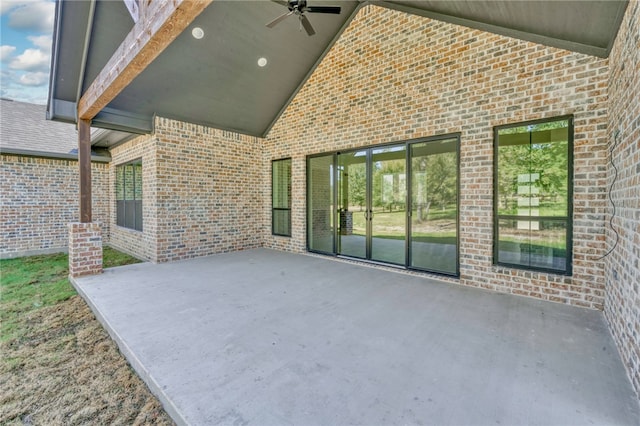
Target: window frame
[568,219]
[273,189]
[121,221]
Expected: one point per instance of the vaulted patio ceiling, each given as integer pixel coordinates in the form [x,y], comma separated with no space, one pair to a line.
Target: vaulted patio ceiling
[216,81]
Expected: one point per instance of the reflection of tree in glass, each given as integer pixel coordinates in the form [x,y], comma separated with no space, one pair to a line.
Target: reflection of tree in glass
[434,182]
[388,184]
[542,150]
[357,185]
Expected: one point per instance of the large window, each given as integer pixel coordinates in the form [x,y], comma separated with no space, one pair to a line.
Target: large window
[281,197]
[532,195]
[129,195]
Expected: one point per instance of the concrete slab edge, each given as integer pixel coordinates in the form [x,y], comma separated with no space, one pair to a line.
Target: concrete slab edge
[134,362]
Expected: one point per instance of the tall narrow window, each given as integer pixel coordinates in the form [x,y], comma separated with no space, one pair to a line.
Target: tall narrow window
[281,197]
[129,195]
[532,195]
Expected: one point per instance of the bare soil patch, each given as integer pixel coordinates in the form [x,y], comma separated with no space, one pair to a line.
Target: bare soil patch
[65,369]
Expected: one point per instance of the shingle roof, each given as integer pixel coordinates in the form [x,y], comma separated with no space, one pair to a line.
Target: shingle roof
[24,126]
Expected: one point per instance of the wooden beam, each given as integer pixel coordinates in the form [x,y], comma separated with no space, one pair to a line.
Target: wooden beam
[84,162]
[159,24]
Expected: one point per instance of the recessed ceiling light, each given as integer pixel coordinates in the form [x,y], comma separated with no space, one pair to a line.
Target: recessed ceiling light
[197,33]
[262,62]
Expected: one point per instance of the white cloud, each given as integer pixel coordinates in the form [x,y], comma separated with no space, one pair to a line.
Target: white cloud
[12,88]
[6,52]
[34,79]
[25,71]
[43,42]
[31,60]
[31,16]
[7,5]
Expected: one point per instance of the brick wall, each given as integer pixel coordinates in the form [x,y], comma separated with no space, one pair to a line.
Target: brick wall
[622,304]
[39,198]
[199,192]
[206,190]
[85,249]
[393,76]
[142,244]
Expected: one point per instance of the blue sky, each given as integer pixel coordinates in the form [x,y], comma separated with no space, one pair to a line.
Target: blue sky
[25,52]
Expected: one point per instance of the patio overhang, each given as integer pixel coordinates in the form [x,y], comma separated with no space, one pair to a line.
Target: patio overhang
[216,81]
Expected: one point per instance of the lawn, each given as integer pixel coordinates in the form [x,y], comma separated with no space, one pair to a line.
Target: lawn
[440,226]
[58,365]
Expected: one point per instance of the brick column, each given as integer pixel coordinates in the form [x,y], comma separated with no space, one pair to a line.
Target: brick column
[85,249]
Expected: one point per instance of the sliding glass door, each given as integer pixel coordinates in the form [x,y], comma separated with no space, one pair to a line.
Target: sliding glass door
[434,205]
[372,197]
[388,199]
[320,204]
[395,204]
[353,187]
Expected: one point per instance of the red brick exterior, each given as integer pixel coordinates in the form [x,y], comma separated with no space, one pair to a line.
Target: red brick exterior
[622,266]
[199,192]
[85,249]
[394,77]
[140,244]
[39,198]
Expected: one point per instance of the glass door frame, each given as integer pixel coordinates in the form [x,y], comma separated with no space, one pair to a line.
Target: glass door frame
[410,143]
[370,237]
[338,203]
[409,188]
[334,200]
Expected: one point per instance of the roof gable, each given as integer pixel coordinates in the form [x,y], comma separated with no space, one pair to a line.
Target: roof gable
[215,81]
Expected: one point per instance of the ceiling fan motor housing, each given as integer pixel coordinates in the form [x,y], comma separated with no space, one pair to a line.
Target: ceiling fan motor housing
[299,5]
[299,8]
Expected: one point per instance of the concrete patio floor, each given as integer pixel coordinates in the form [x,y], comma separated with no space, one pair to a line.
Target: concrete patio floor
[263,337]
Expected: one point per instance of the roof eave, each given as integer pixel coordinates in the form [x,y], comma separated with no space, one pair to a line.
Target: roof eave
[55,49]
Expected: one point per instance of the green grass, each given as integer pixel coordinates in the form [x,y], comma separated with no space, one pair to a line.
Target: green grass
[395,224]
[30,283]
[112,257]
[451,239]
[58,365]
[544,209]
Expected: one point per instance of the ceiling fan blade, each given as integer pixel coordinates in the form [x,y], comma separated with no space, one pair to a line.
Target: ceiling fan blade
[278,20]
[307,25]
[282,2]
[323,9]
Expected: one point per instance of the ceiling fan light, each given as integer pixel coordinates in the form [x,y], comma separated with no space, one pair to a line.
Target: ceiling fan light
[262,62]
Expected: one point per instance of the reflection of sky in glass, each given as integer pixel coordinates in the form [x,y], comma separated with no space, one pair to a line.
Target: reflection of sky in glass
[389,149]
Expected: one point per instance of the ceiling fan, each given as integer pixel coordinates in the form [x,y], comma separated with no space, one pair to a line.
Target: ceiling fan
[299,8]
